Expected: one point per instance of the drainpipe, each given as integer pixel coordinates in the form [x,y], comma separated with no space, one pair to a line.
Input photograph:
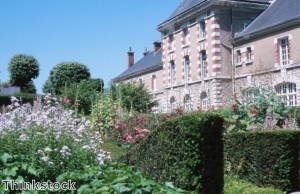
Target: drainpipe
[232,56]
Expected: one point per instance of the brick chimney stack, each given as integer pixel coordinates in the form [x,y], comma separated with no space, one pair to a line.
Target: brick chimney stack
[157,46]
[130,54]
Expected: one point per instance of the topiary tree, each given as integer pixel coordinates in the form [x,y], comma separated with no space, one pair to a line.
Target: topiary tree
[133,96]
[65,73]
[22,69]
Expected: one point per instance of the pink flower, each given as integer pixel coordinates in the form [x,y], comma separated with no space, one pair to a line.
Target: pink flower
[117,126]
[66,100]
[137,128]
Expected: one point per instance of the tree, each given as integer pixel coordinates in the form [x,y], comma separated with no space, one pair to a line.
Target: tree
[22,69]
[83,94]
[133,96]
[29,88]
[64,74]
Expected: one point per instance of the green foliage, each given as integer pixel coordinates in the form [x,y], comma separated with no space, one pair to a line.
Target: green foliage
[253,111]
[234,185]
[133,96]
[32,150]
[130,128]
[22,69]
[104,112]
[24,97]
[187,150]
[115,178]
[265,158]
[65,73]
[83,94]
[17,168]
[29,88]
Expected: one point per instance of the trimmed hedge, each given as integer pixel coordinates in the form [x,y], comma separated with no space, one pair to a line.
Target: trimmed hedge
[186,150]
[269,158]
[5,99]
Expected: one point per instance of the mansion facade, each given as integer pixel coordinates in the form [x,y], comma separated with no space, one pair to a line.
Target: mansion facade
[213,50]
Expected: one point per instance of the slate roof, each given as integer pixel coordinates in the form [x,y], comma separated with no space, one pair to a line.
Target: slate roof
[150,62]
[280,12]
[188,4]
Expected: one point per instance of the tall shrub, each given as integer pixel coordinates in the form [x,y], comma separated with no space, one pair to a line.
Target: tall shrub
[265,158]
[187,150]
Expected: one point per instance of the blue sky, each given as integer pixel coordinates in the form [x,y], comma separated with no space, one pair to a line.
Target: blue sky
[97,33]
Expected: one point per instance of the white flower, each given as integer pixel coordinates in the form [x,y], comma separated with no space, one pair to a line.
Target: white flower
[23,137]
[86,147]
[47,149]
[45,158]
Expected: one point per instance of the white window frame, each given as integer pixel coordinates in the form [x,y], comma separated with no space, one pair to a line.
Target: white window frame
[287,93]
[249,53]
[238,58]
[188,103]
[140,80]
[202,30]
[187,68]
[203,61]
[154,82]
[185,32]
[171,40]
[204,101]
[172,72]
[284,50]
[173,104]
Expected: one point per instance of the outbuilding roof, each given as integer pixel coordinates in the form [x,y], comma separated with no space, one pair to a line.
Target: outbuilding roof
[280,13]
[151,62]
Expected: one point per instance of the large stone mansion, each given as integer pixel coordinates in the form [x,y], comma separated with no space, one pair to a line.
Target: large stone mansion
[212,50]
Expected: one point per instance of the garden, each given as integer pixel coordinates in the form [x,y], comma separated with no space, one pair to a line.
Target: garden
[108,141]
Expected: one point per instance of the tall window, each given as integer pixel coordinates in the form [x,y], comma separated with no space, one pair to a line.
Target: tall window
[203,62]
[173,104]
[287,93]
[185,32]
[187,103]
[171,42]
[202,30]
[284,51]
[249,54]
[204,101]
[140,80]
[172,72]
[238,57]
[153,82]
[187,69]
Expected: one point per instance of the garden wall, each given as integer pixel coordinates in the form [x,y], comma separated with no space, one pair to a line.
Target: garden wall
[187,151]
[265,158]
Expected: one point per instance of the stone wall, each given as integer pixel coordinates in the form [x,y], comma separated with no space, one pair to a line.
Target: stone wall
[219,93]
[270,78]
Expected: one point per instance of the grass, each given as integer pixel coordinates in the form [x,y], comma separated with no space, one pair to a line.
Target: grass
[115,150]
[233,185]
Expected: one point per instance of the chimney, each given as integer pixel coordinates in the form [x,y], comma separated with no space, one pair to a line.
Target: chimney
[157,46]
[130,54]
[146,52]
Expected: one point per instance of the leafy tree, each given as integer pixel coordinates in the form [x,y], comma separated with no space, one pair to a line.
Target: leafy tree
[133,96]
[29,88]
[64,74]
[83,94]
[22,69]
